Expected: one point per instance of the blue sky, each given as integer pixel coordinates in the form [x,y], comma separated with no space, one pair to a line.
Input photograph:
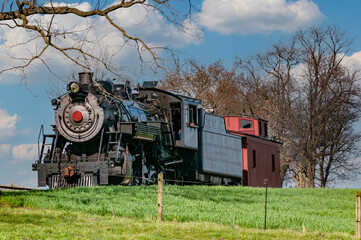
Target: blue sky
[231,28]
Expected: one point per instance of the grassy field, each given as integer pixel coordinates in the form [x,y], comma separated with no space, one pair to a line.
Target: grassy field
[191,212]
[22,223]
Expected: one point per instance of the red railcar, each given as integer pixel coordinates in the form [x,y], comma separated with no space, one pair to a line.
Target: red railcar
[260,155]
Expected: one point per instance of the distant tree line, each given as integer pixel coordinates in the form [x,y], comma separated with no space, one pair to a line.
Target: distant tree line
[303,88]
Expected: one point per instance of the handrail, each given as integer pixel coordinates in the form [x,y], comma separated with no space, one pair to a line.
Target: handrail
[100,144]
[53,146]
[41,132]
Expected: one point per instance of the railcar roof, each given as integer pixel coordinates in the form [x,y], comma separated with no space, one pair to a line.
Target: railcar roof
[248,116]
[175,94]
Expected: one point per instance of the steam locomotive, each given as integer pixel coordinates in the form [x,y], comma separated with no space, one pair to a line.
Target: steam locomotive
[107,133]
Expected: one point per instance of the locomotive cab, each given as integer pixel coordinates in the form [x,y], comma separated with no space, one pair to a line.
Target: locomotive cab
[182,112]
[208,153]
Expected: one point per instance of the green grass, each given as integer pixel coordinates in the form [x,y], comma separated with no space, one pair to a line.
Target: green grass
[325,211]
[22,223]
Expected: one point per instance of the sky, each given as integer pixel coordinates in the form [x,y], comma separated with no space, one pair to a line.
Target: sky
[221,30]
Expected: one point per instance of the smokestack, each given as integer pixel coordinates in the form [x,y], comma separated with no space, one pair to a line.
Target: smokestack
[85,80]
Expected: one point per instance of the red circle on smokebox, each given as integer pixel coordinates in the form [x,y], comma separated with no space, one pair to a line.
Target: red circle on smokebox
[77,116]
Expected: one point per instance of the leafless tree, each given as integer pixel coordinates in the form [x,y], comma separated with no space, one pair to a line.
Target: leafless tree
[338,144]
[311,102]
[77,43]
[216,86]
[329,90]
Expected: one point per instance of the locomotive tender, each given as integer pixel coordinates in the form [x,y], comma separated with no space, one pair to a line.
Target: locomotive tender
[105,134]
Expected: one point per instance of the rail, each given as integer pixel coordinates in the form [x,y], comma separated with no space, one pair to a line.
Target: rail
[13,188]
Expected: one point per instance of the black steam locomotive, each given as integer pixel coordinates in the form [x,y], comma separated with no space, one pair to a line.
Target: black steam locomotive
[107,133]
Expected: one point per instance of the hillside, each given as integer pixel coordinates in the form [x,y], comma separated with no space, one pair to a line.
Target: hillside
[225,212]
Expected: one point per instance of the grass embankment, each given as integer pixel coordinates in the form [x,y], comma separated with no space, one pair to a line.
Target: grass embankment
[191,212]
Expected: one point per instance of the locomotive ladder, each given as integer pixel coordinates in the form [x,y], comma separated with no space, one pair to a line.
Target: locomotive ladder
[48,147]
[114,140]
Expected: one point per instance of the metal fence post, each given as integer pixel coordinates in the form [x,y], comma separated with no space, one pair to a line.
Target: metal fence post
[265,205]
[358,214]
[160,196]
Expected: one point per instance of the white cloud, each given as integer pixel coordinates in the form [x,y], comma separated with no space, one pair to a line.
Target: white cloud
[353,61]
[141,21]
[8,130]
[4,149]
[254,16]
[24,152]
[81,6]
[4,152]
[7,125]
[102,40]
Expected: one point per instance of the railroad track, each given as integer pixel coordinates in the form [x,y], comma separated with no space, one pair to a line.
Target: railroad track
[12,188]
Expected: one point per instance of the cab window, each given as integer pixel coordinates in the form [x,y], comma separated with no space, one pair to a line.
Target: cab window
[192,114]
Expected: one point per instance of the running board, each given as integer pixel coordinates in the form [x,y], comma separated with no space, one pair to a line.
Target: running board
[174,162]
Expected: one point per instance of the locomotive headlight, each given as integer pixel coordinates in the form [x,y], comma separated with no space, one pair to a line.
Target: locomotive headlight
[74,87]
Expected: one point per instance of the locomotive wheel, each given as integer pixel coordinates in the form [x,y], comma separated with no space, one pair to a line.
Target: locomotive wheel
[135,182]
[152,176]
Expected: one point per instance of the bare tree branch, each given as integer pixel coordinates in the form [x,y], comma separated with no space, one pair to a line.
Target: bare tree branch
[28,14]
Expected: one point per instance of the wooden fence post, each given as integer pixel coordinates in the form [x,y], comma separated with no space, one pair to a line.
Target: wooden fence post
[265,206]
[160,196]
[358,214]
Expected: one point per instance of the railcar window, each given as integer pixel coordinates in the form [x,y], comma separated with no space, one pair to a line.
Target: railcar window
[254,158]
[192,114]
[265,130]
[246,124]
[260,127]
